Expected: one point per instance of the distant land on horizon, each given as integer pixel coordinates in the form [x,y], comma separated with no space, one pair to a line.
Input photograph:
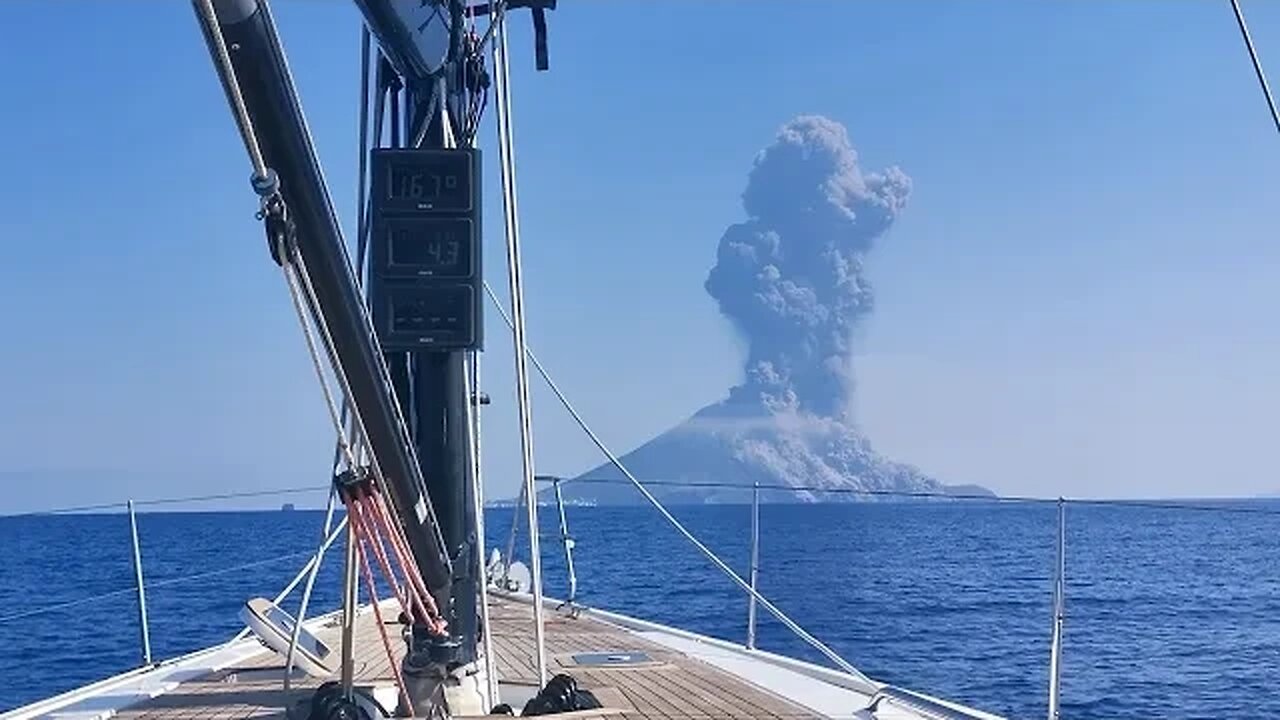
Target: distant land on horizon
[582,491]
[717,454]
[693,464]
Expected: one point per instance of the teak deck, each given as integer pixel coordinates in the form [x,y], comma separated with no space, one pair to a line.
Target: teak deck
[673,685]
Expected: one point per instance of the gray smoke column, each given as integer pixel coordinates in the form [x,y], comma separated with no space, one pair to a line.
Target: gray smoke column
[791,280]
[790,277]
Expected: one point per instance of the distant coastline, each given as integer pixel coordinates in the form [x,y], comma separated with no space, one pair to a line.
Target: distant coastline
[692,494]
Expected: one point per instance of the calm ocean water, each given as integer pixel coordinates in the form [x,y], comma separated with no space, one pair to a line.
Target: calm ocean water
[1170,614]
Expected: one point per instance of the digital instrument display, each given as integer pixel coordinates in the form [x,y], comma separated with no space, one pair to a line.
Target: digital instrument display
[424,255]
[424,180]
[416,317]
[429,247]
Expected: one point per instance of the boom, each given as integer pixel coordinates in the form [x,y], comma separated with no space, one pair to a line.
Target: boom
[271,103]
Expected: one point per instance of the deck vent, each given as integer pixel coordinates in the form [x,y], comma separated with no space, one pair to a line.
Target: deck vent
[613,659]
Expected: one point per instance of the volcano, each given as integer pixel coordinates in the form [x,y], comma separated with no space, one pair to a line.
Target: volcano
[790,280]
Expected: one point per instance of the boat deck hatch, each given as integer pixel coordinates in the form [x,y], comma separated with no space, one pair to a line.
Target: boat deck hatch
[612,658]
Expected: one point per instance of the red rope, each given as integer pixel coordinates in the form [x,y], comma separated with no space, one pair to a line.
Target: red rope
[364,531]
[382,627]
[400,545]
[415,604]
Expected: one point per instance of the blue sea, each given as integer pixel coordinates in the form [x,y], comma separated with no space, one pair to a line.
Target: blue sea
[1170,613]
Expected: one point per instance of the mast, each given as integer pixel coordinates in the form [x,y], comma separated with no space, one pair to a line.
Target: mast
[433,70]
[427,308]
[401,361]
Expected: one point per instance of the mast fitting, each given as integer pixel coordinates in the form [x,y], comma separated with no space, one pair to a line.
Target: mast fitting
[353,484]
[267,183]
[538,8]
[280,229]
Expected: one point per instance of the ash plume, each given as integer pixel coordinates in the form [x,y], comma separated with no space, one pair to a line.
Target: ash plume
[791,278]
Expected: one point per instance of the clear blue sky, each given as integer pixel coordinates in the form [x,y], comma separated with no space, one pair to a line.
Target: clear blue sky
[1080,298]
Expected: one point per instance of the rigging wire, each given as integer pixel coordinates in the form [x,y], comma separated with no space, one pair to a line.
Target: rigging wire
[233,495]
[346,420]
[306,590]
[292,269]
[227,73]
[923,495]
[153,584]
[706,551]
[511,538]
[362,172]
[66,510]
[471,386]
[362,211]
[1257,63]
[66,605]
[1218,506]
[69,509]
[333,535]
[273,209]
[378,97]
[502,93]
